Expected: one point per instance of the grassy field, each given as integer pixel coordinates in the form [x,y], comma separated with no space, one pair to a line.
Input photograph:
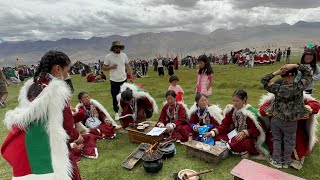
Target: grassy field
[112,152]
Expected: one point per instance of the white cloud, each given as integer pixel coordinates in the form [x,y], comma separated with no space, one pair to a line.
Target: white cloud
[32,20]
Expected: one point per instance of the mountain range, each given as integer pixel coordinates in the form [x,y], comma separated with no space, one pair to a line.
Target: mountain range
[148,45]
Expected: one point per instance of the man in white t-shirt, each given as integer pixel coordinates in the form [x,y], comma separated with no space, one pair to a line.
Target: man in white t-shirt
[117,63]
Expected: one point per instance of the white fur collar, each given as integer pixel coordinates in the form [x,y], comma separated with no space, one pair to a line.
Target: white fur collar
[55,94]
[181,104]
[51,103]
[262,137]
[98,105]
[137,95]
[214,111]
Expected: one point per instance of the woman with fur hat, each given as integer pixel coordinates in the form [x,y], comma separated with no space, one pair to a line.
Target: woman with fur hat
[136,104]
[243,119]
[174,117]
[203,114]
[41,127]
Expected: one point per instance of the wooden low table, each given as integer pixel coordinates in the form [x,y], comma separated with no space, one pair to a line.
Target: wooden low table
[136,136]
[214,155]
[250,170]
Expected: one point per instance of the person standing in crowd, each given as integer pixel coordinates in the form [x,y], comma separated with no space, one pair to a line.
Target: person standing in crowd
[287,108]
[160,67]
[3,89]
[309,58]
[279,54]
[170,68]
[41,127]
[144,65]
[155,65]
[117,63]
[288,55]
[205,76]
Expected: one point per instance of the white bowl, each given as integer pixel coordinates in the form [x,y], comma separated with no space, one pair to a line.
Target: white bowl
[206,147]
[199,145]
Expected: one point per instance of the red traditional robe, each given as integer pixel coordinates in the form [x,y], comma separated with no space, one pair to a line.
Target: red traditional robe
[175,116]
[176,63]
[41,131]
[88,150]
[143,105]
[252,128]
[105,130]
[213,116]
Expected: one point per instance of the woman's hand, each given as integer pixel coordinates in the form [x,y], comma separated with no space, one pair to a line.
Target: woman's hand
[79,140]
[241,135]
[207,134]
[168,130]
[196,128]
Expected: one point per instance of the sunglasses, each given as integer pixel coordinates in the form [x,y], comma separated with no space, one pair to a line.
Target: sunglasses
[117,47]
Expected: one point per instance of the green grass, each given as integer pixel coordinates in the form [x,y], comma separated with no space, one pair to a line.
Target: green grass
[227,78]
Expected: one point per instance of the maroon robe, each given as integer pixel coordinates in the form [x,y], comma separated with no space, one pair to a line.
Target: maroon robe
[246,144]
[104,131]
[144,111]
[194,119]
[181,128]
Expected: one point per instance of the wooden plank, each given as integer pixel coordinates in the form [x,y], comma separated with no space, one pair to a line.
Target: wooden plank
[135,156]
[250,170]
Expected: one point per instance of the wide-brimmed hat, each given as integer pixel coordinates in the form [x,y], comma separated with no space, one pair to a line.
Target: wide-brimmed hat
[116,43]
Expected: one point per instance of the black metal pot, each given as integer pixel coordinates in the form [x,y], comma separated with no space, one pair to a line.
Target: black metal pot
[152,163]
[167,150]
[153,167]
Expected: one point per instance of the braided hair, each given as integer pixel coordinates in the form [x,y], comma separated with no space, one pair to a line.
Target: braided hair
[48,60]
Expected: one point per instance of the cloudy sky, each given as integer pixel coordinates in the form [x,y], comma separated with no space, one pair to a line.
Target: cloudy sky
[55,19]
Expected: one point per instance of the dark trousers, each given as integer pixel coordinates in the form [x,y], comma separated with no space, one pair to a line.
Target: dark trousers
[283,132]
[160,71]
[115,89]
